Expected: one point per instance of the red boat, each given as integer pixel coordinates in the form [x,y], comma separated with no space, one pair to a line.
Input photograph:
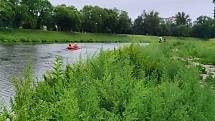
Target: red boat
[73,47]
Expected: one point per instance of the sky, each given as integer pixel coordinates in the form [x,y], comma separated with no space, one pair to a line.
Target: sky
[166,8]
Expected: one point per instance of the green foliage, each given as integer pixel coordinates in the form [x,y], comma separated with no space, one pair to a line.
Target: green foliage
[6,13]
[182,19]
[166,29]
[45,18]
[4,115]
[138,25]
[111,21]
[24,95]
[93,18]
[101,20]
[210,81]
[182,31]
[147,23]
[32,14]
[67,18]
[204,27]
[129,84]
[151,24]
[124,24]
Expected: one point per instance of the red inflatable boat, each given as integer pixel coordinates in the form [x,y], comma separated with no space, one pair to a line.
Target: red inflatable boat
[73,47]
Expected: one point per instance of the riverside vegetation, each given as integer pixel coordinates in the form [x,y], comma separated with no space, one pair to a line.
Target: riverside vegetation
[129,84]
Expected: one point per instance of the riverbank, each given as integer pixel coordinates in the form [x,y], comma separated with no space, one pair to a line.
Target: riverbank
[134,83]
[38,36]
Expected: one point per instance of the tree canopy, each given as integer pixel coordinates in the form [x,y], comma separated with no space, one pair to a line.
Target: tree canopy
[182,19]
[147,23]
[6,13]
[67,18]
[36,14]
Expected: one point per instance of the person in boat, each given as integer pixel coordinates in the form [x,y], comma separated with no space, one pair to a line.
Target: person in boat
[73,46]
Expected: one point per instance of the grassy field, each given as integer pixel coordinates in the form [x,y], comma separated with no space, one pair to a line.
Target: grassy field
[50,37]
[136,83]
[36,36]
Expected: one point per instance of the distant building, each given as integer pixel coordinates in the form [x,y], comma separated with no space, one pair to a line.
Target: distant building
[169,20]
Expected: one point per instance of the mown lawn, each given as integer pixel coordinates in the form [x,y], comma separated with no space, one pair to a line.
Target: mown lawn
[130,84]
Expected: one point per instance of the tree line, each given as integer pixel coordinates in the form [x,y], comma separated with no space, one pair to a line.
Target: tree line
[35,14]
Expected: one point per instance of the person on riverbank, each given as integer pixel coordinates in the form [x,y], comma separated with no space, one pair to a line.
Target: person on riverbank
[162,39]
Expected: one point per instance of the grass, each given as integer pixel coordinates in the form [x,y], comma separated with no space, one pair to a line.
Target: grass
[37,36]
[130,84]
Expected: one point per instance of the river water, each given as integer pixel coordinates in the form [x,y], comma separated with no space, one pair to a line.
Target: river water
[13,59]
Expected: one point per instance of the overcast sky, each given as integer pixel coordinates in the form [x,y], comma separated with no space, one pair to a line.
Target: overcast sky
[166,8]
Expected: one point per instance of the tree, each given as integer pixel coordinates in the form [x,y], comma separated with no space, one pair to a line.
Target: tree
[166,29]
[94,19]
[6,13]
[32,13]
[99,16]
[111,20]
[22,17]
[151,22]
[138,25]
[182,19]
[28,13]
[183,25]
[147,23]
[124,24]
[90,19]
[181,31]
[67,18]
[204,27]
[97,19]
[203,20]
[45,14]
